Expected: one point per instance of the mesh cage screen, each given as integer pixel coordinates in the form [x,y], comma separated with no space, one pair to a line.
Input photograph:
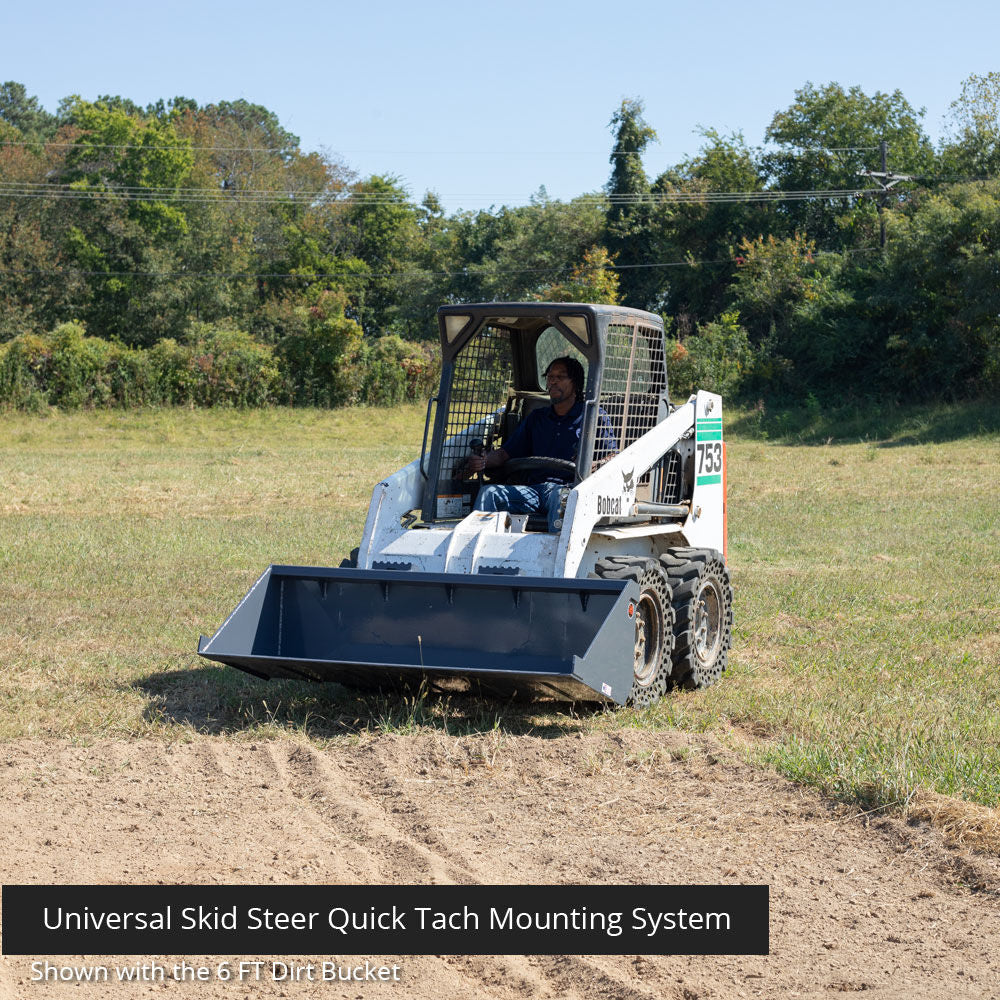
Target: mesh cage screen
[480,386]
[634,379]
[669,484]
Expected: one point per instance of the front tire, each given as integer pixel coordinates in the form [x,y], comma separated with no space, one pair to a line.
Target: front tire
[654,625]
[703,611]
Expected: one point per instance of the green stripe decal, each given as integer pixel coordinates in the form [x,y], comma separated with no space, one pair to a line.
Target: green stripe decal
[709,430]
[708,480]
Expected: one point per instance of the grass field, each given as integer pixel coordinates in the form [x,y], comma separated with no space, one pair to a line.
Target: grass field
[866,572]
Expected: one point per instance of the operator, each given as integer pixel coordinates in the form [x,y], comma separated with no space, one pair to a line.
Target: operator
[549,432]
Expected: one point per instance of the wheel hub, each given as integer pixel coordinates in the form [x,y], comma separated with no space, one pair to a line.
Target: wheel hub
[648,639]
[708,621]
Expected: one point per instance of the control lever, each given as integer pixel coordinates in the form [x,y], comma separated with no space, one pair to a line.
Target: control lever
[477,447]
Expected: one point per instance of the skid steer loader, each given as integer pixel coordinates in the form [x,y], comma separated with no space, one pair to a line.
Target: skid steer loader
[628,596]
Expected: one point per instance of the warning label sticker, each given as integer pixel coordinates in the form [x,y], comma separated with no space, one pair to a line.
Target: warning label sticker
[453,504]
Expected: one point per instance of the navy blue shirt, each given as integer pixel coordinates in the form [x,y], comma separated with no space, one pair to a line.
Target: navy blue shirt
[546,434]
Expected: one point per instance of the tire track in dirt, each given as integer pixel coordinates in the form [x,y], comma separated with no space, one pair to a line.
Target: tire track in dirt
[568,977]
[366,818]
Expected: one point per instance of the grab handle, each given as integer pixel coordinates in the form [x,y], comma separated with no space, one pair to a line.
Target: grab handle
[423,445]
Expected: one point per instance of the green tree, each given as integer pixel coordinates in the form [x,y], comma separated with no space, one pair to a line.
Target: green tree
[430,275]
[704,230]
[24,113]
[935,300]
[257,213]
[33,296]
[825,140]
[125,227]
[792,302]
[629,204]
[593,280]
[972,146]
[537,245]
[380,228]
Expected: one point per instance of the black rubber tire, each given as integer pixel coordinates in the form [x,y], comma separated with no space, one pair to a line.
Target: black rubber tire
[654,621]
[703,614]
[351,562]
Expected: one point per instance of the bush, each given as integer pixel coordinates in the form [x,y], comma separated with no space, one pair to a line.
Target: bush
[397,371]
[24,366]
[232,368]
[69,369]
[131,378]
[717,358]
[321,355]
[216,366]
[76,367]
[320,361]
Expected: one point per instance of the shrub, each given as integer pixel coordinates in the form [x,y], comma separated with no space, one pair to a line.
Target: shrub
[24,365]
[131,378]
[215,366]
[234,369]
[716,358]
[320,356]
[394,370]
[66,368]
[320,361]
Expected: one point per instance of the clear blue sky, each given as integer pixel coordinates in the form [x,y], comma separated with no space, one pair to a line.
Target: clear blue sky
[483,103]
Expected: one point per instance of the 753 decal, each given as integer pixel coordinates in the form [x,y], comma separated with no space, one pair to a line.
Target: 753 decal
[709,457]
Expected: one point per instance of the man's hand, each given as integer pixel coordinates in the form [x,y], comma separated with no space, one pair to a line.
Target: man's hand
[475,464]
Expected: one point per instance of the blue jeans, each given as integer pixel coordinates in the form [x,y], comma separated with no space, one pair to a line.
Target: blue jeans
[542,497]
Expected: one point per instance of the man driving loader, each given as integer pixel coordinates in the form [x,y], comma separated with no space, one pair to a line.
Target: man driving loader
[550,432]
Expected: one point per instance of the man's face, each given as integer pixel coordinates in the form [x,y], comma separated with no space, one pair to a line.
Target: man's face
[559,384]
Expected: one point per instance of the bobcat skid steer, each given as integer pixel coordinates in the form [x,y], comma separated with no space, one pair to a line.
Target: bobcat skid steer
[629,596]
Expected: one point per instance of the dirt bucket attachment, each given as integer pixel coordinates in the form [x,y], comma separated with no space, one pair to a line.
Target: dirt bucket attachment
[568,638]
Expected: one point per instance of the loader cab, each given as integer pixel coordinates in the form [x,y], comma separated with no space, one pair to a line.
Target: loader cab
[493,359]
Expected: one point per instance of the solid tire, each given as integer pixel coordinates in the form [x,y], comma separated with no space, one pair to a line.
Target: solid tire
[703,614]
[654,618]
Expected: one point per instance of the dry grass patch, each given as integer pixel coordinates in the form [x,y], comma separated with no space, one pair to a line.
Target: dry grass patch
[963,824]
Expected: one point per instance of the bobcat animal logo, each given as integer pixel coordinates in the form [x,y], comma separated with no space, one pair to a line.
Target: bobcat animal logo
[628,478]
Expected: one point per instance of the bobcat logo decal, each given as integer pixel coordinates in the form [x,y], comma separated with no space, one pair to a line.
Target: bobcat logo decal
[628,477]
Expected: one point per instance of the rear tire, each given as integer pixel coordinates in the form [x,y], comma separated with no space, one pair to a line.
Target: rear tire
[703,611]
[654,624]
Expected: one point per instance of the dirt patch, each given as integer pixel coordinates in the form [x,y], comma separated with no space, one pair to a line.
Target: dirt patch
[857,904]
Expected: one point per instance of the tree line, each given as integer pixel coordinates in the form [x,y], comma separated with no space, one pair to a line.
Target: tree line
[196,254]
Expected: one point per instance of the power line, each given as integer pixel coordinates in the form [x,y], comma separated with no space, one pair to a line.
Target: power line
[346,277]
[181,145]
[258,196]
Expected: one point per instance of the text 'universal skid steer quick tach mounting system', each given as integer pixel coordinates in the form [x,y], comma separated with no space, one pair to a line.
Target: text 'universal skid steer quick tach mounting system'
[627,596]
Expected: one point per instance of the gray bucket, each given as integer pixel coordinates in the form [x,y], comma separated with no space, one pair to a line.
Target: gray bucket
[571,639]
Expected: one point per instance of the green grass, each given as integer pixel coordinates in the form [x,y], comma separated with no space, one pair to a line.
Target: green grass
[814,423]
[866,572]
[867,581]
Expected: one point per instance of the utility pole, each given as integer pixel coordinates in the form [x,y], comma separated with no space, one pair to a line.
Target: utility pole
[886,180]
